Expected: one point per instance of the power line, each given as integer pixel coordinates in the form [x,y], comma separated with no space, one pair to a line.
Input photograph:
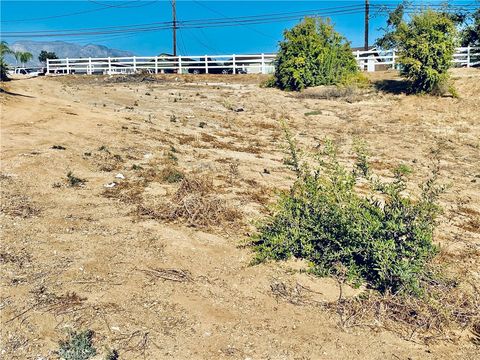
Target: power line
[196,24]
[104,7]
[180,24]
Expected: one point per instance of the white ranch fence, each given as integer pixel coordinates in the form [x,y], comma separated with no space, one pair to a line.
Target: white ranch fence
[372,60]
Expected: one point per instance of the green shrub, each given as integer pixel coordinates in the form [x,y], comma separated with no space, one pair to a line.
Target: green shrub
[311,54]
[382,237]
[79,346]
[426,45]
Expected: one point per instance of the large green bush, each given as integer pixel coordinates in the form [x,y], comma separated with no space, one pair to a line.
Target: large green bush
[379,235]
[426,45]
[311,54]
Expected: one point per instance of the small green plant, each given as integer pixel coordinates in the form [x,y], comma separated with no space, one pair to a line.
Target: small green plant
[311,54]
[171,174]
[78,346]
[112,355]
[74,181]
[313,112]
[383,238]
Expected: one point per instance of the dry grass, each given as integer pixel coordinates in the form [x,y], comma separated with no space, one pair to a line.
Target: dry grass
[195,204]
[434,316]
[14,202]
[346,93]
[105,160]
[129,192]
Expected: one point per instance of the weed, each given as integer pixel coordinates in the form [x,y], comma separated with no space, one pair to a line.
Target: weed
[383,238]
[112,355]
[74,181]
[103,148]
[195,203]
[78,346]
[126,192]
[202,124]
[171,174]
[58,147]
[314,112]
[173,118]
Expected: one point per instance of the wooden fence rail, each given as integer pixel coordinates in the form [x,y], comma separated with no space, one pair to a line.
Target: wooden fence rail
[372,60]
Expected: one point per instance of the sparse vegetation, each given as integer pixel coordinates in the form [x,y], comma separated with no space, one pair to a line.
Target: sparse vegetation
[194,203]
[311,54]
[383,237]
[78,346]
[74,181]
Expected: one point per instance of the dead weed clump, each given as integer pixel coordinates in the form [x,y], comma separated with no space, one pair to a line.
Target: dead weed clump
[195,203]
[434,316]
[347,93]
[126,192]
[14,203]
[105,160]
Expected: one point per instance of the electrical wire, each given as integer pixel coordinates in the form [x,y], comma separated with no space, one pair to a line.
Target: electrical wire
[104,7]
[208,23]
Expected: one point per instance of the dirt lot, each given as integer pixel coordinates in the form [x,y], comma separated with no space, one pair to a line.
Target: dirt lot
[156,281]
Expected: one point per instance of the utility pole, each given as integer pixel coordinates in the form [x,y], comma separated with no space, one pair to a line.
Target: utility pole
[367,15]
[174,28]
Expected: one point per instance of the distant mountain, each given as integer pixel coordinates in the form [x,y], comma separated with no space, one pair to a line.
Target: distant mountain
[63,50]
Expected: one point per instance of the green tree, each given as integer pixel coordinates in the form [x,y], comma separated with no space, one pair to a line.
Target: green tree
[4,50]
[25,57]
[311,54]
[426,45]
[44,55]
[470,35]
[16,55]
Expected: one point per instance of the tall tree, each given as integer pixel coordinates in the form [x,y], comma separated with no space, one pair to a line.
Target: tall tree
[25,57]
[4,50]
[470,35]
[44,55]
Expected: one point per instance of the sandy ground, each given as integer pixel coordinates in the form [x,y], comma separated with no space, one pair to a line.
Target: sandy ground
[74,257]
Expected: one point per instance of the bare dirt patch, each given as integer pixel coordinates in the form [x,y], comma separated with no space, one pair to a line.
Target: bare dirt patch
[174,282]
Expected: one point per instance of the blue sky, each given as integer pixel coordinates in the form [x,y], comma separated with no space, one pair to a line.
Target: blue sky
[227,40]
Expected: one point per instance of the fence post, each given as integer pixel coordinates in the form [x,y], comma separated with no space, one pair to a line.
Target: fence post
[109,66]
[89,72]
[393,59]
[180,64]
[263,63]
[156,64]
[206,65]
[134,64]
[68,67]
[358,59]
[48,66]
[234,65]
[468,56]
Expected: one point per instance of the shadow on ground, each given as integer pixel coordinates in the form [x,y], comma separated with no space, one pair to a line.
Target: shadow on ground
[3,91]
[395,86]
